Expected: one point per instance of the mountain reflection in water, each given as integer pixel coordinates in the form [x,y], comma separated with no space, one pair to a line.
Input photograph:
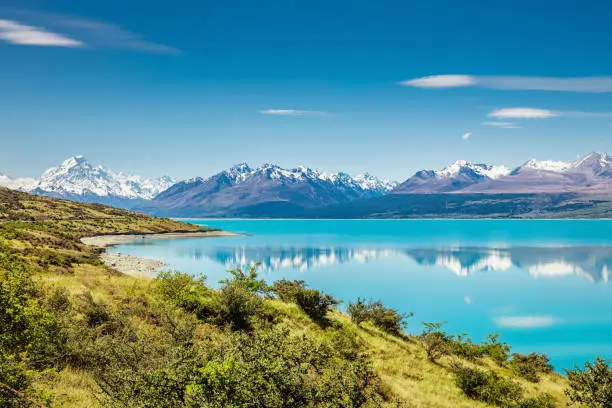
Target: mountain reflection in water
[591,262]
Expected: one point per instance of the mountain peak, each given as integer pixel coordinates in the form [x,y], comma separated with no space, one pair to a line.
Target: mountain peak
[546,165]
[74,161]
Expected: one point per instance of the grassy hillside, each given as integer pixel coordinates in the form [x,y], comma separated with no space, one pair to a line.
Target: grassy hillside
[74,333]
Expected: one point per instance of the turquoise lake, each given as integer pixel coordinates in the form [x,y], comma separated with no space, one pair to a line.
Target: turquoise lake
[543,285]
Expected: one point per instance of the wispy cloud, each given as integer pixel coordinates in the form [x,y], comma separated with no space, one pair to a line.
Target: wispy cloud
[20,34]
[536,113]
[503,125]
[576,84]
[466,135]
[523,113]
[292,112]
[441,81]
[81,31]
[525,322]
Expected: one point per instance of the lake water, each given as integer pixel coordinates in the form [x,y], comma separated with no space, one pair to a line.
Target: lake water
[543,285]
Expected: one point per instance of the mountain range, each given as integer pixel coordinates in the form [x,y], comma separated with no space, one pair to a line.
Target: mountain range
[266,191]
[581,188]
[77,180]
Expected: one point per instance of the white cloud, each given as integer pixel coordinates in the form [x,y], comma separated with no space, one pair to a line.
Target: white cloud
[441,81]
[467,300]
[503,125]
[523,113]
[95,34]
[576,84]
[16,33]
[466,135]
[292,112]
[525,322]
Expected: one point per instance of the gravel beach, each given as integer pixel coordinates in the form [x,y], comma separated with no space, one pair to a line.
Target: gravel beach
[133,265]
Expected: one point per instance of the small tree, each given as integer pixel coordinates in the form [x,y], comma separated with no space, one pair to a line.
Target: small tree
[497,350]
[314,303]
[385,318]
[529,366]
[591,386]
[434,340]
[248,279]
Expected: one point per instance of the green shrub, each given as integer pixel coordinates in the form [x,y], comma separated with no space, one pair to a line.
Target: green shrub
[248,280]
[237,306]
[488,387]
[31,340]
[274,368]
[96,313]
[187,292]
[529,366]
[591,386]
[496,350]
[540,401]
[314,303]
[462,346]
[385,318]
[287,290]
[434,340]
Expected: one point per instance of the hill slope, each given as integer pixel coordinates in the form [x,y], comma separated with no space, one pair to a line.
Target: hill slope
[78,334]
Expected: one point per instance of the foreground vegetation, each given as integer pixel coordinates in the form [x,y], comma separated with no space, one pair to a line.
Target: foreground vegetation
[74,333]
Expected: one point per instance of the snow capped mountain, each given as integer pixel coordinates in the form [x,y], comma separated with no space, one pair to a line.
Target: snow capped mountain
[369,182]
[594,163]
[21,184]
[455,177]
[591,174]
[481,169]
[545,165]
[271,189]
[77,177]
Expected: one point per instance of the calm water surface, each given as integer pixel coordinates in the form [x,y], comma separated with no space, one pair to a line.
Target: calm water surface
[542,284]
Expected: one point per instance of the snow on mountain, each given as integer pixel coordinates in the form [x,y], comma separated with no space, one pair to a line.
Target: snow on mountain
[76,177]
[462,166]
[457,176]
[268,190]
[365,182]
[594,163]
[369,182]
[546,165]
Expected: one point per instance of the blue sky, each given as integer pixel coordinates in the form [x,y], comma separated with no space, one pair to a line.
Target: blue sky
[187,88]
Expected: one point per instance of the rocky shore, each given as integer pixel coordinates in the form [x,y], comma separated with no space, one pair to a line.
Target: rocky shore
[136,266]
[110,240]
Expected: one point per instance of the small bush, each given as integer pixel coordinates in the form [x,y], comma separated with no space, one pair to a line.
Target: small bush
[541,401]
[96,313]
[591,386]
[385,318]
[529,366]
[488,387]
[187,292]
[496,350]
[435,341]
[248,280]
[237,306]
[287,290]
[314,303]
[463,347]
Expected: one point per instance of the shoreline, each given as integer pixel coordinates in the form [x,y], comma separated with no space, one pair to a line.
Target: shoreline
[106,241]
[136,266]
